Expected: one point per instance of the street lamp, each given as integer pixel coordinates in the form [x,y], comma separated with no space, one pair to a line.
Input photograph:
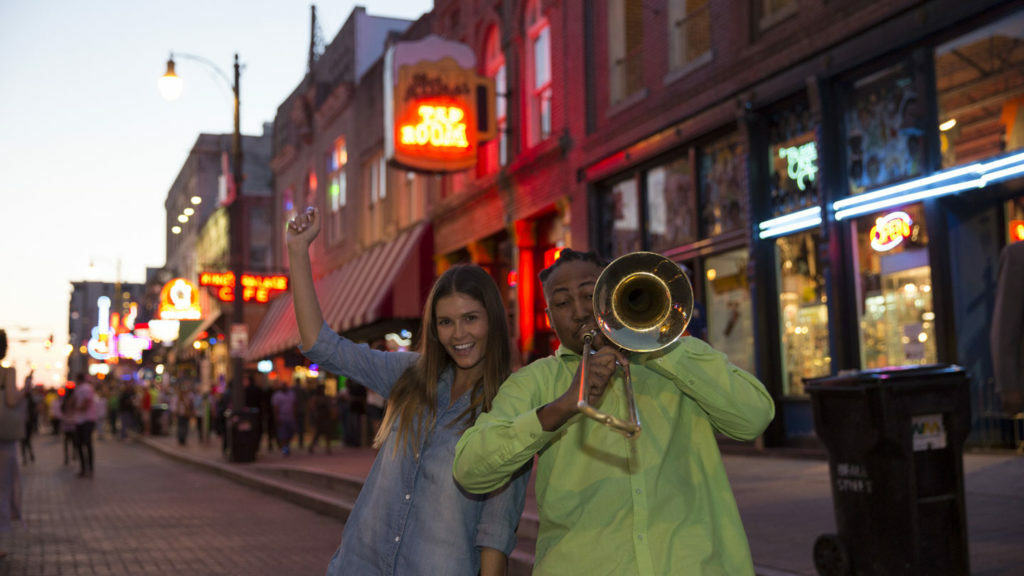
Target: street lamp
[170,85]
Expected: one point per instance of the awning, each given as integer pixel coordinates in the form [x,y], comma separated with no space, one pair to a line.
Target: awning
[350,296]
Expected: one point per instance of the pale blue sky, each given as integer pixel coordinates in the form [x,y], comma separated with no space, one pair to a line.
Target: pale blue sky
[89,148]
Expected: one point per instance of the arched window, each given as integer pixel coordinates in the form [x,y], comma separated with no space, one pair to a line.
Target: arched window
[538,75]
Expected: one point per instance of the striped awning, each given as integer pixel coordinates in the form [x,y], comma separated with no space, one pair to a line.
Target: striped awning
[350,296]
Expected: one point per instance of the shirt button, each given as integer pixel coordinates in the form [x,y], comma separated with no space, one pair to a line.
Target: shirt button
[640,537]
[408,496]
[638,491]
[397,538]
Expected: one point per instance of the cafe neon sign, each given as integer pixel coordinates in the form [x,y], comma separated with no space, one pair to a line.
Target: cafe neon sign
[254,287]
[890,231]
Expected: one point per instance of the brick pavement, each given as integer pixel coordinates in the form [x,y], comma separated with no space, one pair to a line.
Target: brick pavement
[785,501]
[144,514]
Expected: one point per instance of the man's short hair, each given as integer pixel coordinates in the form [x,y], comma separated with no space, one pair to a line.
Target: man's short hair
[570,255]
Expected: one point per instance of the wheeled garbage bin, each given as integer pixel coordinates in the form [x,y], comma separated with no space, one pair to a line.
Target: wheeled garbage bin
[895,439]
[243,434]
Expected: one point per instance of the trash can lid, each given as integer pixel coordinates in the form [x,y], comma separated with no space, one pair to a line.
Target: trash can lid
[888,375]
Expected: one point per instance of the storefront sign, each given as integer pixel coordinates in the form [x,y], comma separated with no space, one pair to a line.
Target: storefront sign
[254,287]
[113,337]
[802,163]
[437,108]
[179,300]
[1016,230]
[890,230]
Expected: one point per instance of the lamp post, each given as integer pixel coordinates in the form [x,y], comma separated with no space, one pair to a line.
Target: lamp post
[171,86]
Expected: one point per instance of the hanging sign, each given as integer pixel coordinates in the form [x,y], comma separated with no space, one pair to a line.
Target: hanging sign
[890,231]
[437,109]
[179,300]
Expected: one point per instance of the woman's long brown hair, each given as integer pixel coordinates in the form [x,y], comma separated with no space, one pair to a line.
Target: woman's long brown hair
[413,399]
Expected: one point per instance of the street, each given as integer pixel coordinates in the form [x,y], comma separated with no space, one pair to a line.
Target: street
[146,514]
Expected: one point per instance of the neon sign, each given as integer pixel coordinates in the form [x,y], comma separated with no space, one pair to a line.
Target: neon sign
[112,337]
[890,230]
[254,287]
[439,126]
[437,109]
[179,300]
[802,163]
[99,345]
[1016,230]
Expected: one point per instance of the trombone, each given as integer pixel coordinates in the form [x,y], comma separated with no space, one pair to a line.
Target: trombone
[642,303]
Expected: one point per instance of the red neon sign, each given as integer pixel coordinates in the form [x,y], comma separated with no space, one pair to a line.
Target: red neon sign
[254,287]
[439,126]
[890,230]
[1016,230]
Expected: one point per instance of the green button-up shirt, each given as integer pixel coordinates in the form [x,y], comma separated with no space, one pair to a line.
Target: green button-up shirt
[658,504]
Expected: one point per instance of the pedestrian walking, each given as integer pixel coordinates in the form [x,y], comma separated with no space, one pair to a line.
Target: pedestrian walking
[283,405]
[1007,332]
[322,409]
[67,423]
[434,394]
[12,426]
[184,410]
[28,454]
[86,412]
[126,410]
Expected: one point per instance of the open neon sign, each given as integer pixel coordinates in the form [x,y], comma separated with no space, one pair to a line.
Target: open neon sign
[890,230]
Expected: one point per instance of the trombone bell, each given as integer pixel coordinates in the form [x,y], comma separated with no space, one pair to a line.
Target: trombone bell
[642,302]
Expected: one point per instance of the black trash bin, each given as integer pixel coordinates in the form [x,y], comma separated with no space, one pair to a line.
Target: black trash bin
[158,420]
[243,434]
[895,445]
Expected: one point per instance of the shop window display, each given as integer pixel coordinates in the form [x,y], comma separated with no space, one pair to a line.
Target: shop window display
[723,187]
[979,85]
[803,311]
[620,211]
[671,201]
[729,310]
[897,319]
[885,118]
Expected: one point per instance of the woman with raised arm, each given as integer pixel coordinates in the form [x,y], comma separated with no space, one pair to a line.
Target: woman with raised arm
[411,517]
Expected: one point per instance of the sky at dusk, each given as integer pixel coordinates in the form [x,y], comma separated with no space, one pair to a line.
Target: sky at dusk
[89,148]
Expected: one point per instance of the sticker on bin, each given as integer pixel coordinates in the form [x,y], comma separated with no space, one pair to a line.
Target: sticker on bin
[929,432]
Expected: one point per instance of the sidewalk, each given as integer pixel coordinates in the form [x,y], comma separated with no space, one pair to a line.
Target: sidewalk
[785,501]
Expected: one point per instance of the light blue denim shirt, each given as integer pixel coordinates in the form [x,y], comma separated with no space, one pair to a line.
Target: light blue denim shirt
[411,517]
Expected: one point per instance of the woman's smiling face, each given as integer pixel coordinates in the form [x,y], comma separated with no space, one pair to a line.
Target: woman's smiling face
[461,323]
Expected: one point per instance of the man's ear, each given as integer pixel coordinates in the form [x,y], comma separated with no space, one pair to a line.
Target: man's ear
[551,321]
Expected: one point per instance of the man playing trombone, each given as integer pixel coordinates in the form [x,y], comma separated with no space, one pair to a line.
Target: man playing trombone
[653,501]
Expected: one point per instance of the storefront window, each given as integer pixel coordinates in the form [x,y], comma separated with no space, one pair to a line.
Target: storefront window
[723,186]
[620,207]
[978,80]
[729,311]
[803,311]
[671,201]
[884,129]
[897,320]
[792,161]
